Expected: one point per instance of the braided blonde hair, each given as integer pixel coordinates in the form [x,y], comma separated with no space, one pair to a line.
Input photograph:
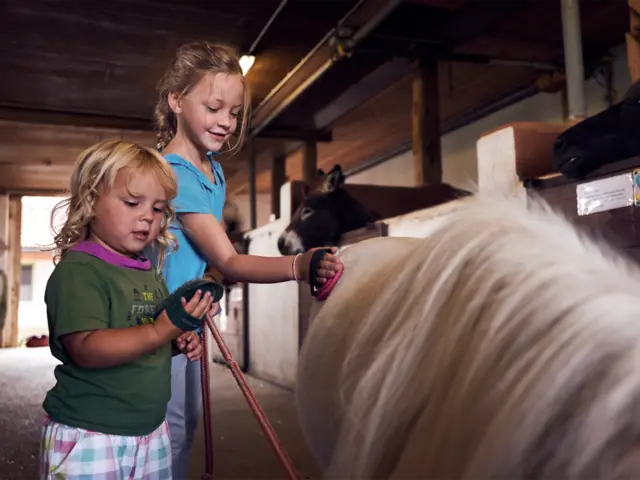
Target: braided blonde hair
[97,167]
[191,62]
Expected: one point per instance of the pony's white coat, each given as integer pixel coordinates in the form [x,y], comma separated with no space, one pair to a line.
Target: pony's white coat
[504,345]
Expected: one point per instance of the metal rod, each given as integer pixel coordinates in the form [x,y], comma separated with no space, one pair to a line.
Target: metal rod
[266,26]
[573,61]
[368,27]
[306,58]
[311,79]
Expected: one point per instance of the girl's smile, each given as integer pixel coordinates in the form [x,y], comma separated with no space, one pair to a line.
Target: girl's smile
[219,137]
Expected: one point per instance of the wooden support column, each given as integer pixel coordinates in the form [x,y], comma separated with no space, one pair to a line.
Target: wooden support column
[309,162]
[427,157]
[10,251]
[278,177]
[633,41]
[253,207]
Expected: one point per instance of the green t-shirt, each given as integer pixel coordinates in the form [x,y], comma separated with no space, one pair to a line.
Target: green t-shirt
[84,293]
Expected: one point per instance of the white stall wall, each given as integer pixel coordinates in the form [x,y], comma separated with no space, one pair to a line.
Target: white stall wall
[273,312]
[459,161]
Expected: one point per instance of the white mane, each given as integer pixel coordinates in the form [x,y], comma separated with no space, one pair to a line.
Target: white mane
[504,345]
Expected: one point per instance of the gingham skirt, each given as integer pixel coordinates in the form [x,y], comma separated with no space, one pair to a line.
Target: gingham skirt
[71,453]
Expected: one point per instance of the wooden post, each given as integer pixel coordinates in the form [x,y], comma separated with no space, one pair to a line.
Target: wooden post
[309,162]
[633,41]
[11,266]
[278,177]
[253,207]
[426,124]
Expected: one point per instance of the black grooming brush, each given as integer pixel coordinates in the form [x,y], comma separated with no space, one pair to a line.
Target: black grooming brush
[176,312]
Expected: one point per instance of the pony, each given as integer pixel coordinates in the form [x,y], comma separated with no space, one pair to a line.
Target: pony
[328,211]
[505,344]
[607,137]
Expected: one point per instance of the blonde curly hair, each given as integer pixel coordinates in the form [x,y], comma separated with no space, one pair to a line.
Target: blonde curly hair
[96,168]
[191,62]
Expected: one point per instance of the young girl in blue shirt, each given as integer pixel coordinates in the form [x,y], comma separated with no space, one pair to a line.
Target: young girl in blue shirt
[202,101]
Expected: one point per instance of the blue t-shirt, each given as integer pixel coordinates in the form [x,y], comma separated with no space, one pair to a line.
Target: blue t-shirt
[196,194]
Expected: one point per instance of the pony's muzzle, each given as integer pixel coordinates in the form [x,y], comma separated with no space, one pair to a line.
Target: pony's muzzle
[281,245]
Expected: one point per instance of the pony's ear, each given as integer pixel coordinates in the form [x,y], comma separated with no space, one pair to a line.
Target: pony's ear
[321,173]
[334,179]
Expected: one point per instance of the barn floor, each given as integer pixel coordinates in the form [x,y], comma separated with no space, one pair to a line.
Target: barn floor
[240,449]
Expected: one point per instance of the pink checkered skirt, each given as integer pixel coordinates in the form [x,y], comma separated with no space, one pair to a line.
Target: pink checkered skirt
[71,453]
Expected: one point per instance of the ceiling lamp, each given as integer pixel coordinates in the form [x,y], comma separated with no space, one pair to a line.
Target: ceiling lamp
[246,62]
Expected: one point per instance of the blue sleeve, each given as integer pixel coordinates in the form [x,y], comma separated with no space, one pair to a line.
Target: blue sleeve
[192,195]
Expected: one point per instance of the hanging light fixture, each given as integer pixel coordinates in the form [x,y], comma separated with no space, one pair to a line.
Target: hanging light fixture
[246,62]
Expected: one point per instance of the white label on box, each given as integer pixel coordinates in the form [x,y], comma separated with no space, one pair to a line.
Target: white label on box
[605,194]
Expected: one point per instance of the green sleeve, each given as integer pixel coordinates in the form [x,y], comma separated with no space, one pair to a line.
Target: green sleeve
[77,300]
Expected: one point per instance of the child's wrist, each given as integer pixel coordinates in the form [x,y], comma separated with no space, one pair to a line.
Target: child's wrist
[165,329]
[295,268]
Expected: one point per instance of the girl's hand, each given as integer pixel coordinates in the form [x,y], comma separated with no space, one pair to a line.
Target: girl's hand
[199,304]
[189,344]
[197,307]
[326,269]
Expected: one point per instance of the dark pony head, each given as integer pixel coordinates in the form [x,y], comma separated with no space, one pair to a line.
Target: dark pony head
[607,137]
[326,212]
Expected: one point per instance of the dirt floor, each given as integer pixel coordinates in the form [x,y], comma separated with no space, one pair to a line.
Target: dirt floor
[241,451]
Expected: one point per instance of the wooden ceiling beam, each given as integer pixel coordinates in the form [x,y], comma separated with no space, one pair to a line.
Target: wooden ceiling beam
[504,51]
[50,117]
[39,157]
[368,87]
[52,179]
[479,17]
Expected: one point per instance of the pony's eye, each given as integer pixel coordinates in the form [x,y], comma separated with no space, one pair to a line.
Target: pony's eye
[306,213]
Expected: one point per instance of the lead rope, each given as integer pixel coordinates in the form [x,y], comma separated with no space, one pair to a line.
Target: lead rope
[249,397]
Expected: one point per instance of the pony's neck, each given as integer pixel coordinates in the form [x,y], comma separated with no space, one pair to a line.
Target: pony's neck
[351,214]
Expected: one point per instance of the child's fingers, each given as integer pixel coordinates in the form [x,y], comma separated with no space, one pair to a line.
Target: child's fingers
[194,349]
[195,354]
[330,262]
[327,269]
[203,306]
[191,305]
